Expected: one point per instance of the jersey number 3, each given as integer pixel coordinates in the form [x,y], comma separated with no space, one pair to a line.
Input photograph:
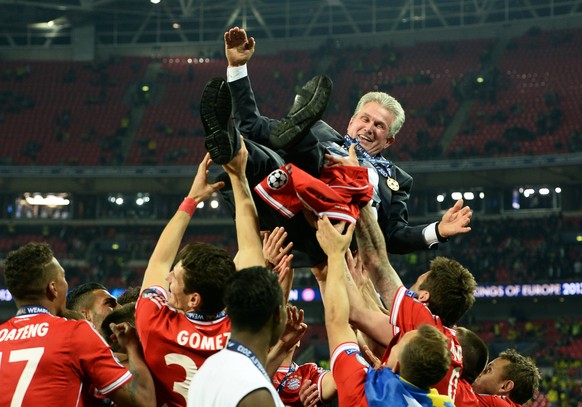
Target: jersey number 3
[188,365]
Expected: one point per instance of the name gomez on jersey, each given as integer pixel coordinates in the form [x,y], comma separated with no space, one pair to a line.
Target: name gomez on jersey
[176,344]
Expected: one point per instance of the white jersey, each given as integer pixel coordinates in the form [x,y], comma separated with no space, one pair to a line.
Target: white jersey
[225,379]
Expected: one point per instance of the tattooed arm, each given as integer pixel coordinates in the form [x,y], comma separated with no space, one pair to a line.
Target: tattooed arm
[372,249]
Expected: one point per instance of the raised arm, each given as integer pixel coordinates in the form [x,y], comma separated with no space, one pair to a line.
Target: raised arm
[335,296]
[282,350]
[372,249]
[278,257]
[250,246]
[162,258]
[364,315]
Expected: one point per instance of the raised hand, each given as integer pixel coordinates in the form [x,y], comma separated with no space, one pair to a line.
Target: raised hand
[238,48]
[295,327]
[201,189]
[273,249]
[238,164]
[455,220]
[331,240]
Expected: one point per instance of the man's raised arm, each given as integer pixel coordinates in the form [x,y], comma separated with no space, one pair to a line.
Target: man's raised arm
[250,245]
[372,249]
[335,297]
[161,260]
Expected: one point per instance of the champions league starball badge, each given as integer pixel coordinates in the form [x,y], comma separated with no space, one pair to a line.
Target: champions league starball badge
[277,179]
[392,184]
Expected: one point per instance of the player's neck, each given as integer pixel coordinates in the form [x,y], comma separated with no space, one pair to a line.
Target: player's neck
[288,358]
[255,341]
[45,303]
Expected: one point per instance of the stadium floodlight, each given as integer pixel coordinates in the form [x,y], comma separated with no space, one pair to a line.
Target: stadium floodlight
[456,196]
[469,196]
[214,204]
[544,191]
[558,190]
[440,197]
[49,200]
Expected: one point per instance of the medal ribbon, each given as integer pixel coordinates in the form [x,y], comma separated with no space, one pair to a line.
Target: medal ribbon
[383,166]
[32,309]
[243,350]
[292,368]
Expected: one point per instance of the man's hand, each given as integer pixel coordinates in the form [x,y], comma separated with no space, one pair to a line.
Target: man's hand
[285,274]
[295,328]
[356,268]
[371,358]
[273,249]
[124,335]
[238,48]
[455,220]
[201,189]
[332,242]
[351,160]
[308,394]
[283,269]
[237,166]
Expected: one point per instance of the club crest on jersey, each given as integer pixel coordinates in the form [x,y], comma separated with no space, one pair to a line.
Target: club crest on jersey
[277,179]
[293,384]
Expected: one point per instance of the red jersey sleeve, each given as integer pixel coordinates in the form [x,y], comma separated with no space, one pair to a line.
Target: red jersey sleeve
[151,303]
[408,313]
[97,360]
[314,373]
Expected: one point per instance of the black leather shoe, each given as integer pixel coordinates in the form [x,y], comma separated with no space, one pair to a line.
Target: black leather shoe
[222,139]
[308,107]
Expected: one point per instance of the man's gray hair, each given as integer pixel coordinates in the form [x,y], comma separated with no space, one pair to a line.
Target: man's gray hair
[387,102]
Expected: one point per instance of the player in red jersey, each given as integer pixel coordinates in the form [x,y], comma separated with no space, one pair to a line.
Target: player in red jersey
[509,380]
[440,297]
[475,358]
[421,357]
[290,378]
[48,360]
[298,385]
[180,314]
